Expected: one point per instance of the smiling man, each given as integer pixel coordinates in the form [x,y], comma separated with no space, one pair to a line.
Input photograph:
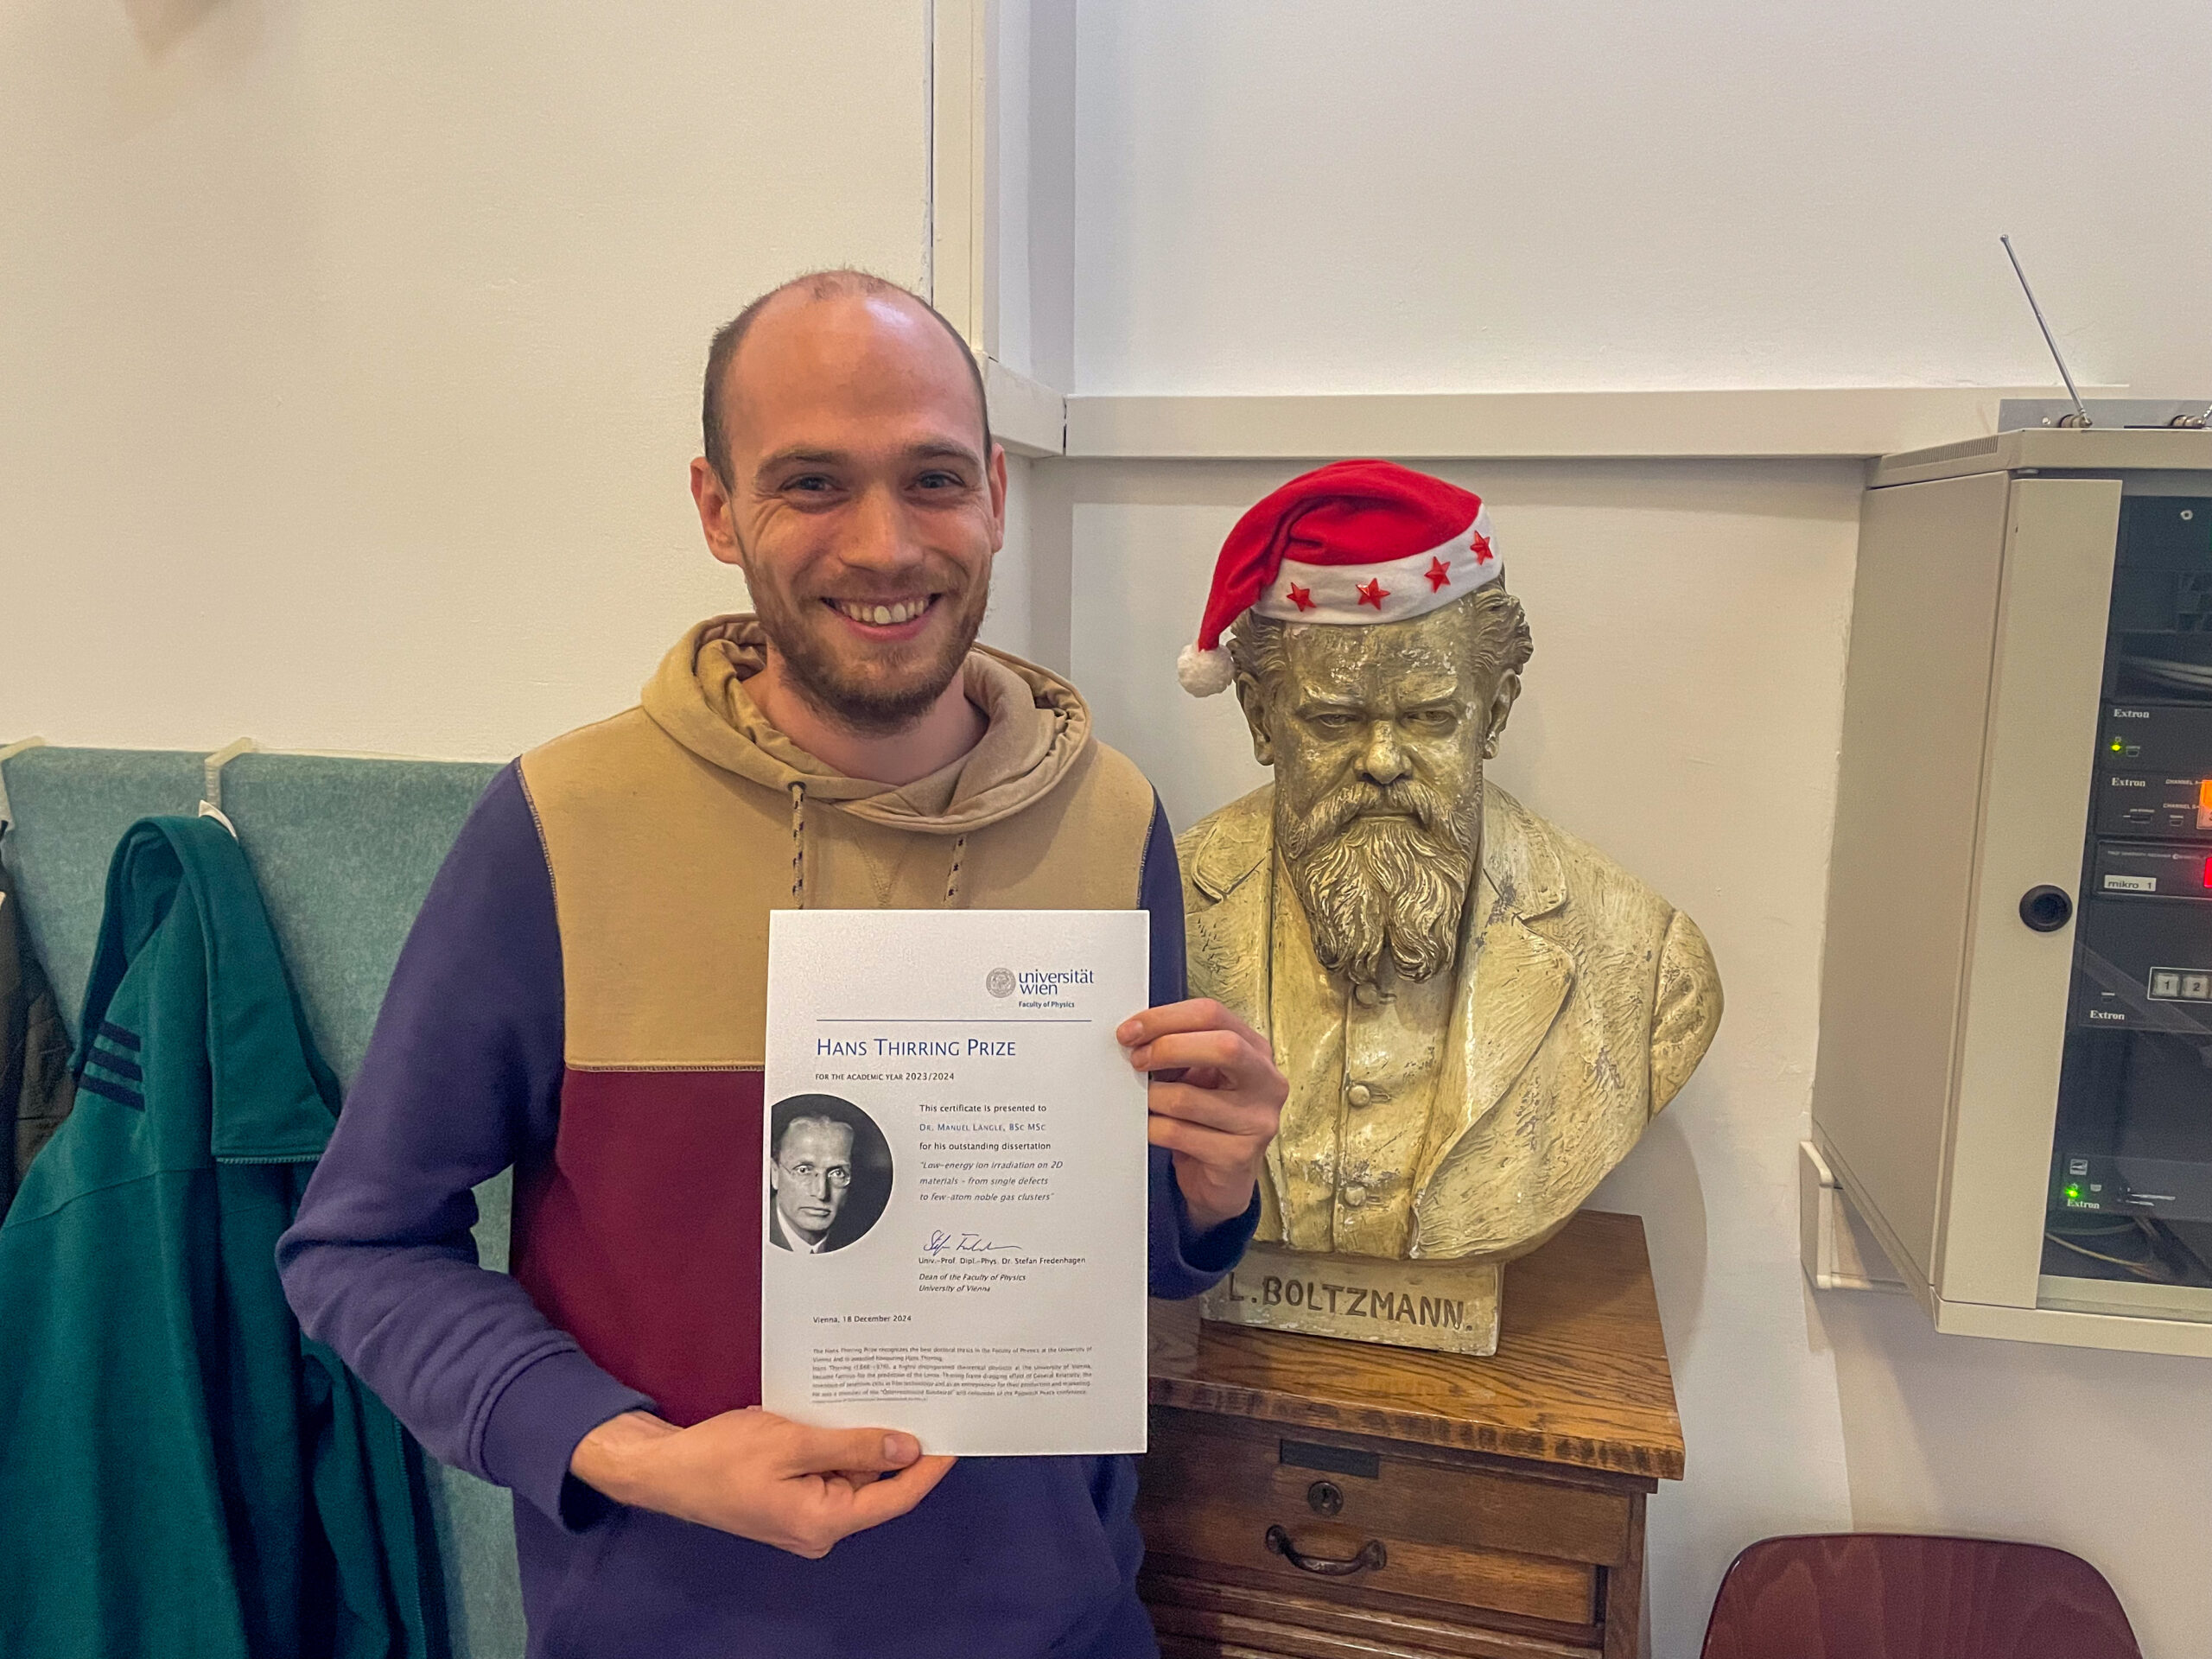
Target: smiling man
[583,999]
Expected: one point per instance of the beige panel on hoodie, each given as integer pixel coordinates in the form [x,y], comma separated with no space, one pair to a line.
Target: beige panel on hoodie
[670,832]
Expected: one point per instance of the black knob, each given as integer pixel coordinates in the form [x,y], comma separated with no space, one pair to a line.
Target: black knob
[2046,909]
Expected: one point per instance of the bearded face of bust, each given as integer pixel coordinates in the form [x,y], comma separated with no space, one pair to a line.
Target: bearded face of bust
[1377,736]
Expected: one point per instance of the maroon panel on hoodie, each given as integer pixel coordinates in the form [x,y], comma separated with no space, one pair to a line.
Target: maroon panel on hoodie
[641,1236]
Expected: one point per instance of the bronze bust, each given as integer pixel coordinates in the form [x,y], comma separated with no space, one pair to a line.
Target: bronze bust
[1478,1013]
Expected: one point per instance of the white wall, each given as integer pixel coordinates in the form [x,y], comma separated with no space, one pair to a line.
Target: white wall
[1033,72]
[350,355]
[1431,195]
[1313,196]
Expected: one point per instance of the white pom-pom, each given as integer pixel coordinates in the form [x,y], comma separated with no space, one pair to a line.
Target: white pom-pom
[1204,673]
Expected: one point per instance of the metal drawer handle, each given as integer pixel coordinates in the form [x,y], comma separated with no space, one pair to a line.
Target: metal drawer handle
[1371,1553]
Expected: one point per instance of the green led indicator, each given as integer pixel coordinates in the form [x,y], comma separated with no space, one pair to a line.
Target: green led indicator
[2073,1193]
[2116,746]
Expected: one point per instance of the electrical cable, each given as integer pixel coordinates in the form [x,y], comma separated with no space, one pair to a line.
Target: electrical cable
[2155,1267]
[2139,1269]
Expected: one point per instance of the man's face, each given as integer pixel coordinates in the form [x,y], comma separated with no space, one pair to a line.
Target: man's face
[861,505]
[1377,736]
[811,1174]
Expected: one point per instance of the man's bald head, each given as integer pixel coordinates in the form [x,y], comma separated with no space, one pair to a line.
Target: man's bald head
[815,286]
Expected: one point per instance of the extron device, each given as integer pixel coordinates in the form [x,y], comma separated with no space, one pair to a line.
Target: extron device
[2014,1086]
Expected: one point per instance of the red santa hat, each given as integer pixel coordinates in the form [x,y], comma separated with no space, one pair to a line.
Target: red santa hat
[1353,542]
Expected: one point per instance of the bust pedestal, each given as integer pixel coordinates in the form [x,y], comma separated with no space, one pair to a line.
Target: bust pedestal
[1306,1497]
[1446,1304]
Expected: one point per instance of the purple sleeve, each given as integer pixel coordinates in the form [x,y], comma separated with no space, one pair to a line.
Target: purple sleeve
[462,1079]
[1184,1261]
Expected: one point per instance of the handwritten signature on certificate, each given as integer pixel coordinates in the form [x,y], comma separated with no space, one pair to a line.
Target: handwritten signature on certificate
[941,1239]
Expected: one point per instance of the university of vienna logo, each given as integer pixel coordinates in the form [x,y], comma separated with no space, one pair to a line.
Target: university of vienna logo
[1000,982]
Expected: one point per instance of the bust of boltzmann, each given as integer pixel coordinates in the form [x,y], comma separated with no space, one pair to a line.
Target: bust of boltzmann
[1478,1013]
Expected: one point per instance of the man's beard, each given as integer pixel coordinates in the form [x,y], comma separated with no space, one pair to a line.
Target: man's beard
[1373,884]
[861,702]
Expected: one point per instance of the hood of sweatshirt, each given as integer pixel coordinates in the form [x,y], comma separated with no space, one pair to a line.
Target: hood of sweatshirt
[1039,727]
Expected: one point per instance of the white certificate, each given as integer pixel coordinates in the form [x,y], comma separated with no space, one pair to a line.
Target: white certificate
[955,1231]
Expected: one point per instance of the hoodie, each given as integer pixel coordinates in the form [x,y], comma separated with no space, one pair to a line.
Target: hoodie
[583,998]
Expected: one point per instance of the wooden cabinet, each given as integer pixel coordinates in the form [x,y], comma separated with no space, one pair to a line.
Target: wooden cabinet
[1309,1498]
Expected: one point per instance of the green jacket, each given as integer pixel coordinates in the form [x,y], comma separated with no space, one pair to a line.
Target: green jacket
[182,1472]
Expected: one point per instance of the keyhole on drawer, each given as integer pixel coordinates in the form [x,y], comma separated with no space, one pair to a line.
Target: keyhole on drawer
[1325,1498]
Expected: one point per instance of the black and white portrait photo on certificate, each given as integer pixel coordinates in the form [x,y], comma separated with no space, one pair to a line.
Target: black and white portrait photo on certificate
[828,1174]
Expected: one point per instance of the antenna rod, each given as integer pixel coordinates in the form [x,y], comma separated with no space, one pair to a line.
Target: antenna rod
[2080,412]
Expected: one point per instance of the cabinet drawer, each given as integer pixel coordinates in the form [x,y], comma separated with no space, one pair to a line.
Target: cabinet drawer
[1224,1621]
[1215,1490]
[1258,1466]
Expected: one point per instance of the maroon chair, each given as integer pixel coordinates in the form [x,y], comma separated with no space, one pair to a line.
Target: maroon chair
[1871,1595]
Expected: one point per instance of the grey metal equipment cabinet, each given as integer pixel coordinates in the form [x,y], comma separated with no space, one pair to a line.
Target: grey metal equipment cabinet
[2014,1084]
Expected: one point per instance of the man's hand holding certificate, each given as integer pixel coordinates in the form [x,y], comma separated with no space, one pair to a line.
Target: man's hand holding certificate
[763,1476]
[1214,1100]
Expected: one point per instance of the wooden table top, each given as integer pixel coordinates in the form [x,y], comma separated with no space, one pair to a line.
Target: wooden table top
[1580,1376]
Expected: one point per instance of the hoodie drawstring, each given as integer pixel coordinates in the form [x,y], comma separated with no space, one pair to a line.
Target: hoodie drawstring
[952,881]
[799,846]
[799,855]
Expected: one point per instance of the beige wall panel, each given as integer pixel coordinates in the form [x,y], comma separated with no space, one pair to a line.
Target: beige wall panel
[2043,727]
[1924,610]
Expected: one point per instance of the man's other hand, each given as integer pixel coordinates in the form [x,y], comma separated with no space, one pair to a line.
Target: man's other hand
[759,1476]
[1216,1097]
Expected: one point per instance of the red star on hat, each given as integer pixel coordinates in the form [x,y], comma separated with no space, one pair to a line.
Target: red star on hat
[1481,544]
[1372,592]
[1302,597]
[1439,575]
